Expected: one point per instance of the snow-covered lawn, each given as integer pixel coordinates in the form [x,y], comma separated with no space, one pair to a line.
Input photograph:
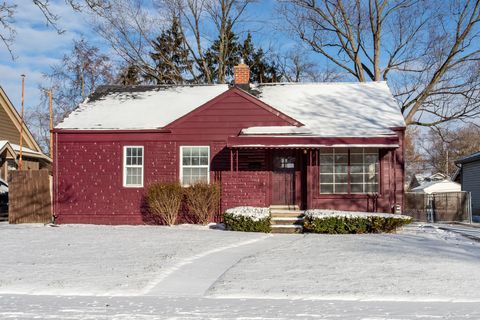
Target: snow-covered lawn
[418,264]
[99,260]
[191,272]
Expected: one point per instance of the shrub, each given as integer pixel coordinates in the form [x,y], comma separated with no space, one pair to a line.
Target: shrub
[202,201]
[249,219]
[340,222]
[164,200]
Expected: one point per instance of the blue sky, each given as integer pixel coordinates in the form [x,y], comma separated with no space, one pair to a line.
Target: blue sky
[38,46]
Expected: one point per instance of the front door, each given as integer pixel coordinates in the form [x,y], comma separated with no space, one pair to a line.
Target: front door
[283,178]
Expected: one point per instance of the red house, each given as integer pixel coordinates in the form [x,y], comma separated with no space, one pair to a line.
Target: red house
[319,145]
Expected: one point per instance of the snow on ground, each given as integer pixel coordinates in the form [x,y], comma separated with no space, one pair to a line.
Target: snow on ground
[418,264]
[192,272]
[99,260]
[143,308]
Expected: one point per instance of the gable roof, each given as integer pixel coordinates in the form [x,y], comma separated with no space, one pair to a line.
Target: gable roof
[138,107]
[316,109]
[438,186]
[334,109]
[14,149]
[243,94]
[16,120]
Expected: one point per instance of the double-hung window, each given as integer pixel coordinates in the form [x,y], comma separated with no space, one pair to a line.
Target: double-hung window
[344,171]
[195,164]
[133,166]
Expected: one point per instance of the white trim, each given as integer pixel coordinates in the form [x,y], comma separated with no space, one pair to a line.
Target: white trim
[180,162]
[124,167]
[299,146]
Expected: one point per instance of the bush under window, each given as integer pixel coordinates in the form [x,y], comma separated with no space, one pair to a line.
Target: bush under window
[343,222]
[202,201]
[164,200]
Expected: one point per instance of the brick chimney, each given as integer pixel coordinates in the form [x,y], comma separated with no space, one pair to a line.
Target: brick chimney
[241,75]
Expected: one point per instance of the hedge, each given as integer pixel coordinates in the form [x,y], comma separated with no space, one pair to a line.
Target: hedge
[248,219]
[340,222]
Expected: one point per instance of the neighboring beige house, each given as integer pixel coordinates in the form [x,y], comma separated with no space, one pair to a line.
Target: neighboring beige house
[10,128]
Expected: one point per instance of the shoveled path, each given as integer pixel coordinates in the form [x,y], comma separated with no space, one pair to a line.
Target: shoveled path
[193,277]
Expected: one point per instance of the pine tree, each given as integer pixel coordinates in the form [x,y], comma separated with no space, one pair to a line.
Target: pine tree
[130,75]
[261,70]
[230,57]
[171,57]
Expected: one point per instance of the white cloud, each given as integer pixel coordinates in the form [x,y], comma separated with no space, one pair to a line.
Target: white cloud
[38,46]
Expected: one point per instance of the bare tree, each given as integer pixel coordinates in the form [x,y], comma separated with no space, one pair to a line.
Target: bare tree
[71,81]
[428,51]
[445,145]
[296,66]
[415,161]
[7,31]
[7,15]
[222,14]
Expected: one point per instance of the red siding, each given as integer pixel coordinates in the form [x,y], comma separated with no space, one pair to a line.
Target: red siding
[245,188]
[88,170]
[391,186]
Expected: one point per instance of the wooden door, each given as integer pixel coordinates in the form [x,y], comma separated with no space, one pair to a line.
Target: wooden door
[283,178]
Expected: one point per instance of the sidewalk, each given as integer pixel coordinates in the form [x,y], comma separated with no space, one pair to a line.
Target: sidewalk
[470,231]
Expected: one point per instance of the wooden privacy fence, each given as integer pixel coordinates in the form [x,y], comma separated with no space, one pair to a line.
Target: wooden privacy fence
[29,197]
[439,207]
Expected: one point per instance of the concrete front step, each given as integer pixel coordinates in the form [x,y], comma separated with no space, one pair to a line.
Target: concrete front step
[287,228]
[286,220]
[287,213]
[284,207]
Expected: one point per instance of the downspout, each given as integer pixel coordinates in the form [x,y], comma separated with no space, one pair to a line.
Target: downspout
[395,178]
[55,178]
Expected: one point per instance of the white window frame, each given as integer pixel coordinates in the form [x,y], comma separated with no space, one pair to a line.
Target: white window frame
[349,174]
[193,166]
[377,172]
[334,183]
[132,166]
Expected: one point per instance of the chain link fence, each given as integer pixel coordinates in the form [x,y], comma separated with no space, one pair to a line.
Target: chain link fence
[439,207]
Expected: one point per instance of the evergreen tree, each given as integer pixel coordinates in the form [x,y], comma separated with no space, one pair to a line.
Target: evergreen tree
[231,49]
[171,57]
[129,75]
[261,70]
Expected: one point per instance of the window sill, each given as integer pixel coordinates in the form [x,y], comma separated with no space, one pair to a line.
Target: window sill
[348,196]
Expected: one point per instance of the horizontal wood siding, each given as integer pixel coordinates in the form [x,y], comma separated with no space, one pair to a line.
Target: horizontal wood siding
[8,130]
[471,183]
[226,117]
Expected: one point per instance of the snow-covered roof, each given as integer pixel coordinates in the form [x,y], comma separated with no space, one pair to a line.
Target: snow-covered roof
[334,109]
[325,109]
[4,144]
[150,108]
[277,130]
[438,186]
[25,150]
